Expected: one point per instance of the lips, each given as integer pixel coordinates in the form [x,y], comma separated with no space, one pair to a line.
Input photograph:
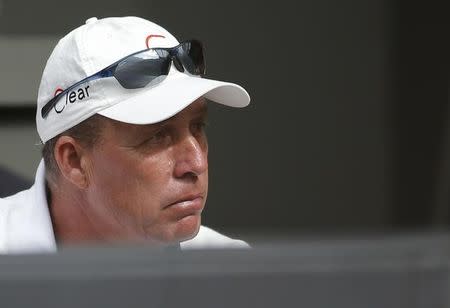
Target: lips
[187,205]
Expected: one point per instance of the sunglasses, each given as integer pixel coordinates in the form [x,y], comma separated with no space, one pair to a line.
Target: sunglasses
[145,68]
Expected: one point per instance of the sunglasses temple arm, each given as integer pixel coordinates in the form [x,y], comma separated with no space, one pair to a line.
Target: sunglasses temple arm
[107,72]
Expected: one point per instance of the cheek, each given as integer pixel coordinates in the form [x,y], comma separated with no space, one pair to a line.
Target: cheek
[132,186]
[152,180]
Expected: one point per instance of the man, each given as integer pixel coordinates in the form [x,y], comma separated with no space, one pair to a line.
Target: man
[121,111]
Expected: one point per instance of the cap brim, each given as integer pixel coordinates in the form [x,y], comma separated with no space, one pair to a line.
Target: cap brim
[173,95]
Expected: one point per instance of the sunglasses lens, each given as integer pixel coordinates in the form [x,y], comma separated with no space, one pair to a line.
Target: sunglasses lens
[191,55]
[140,70]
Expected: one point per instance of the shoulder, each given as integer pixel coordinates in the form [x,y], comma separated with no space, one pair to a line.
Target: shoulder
[208,238]
[13,204]
[13,210]
[25,223]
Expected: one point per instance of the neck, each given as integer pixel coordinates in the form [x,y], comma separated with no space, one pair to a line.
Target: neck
[76,220]
[71,224]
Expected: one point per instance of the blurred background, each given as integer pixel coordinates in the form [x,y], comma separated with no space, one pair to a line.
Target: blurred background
[348,130]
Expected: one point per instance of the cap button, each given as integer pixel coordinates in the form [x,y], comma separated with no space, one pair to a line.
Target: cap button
[91,20]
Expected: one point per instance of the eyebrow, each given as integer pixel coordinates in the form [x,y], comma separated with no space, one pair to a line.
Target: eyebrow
[202,109]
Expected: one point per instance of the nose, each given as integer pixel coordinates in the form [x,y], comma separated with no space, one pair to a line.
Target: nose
[191,157]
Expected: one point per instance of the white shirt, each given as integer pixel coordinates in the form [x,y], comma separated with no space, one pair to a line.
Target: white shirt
[26,226]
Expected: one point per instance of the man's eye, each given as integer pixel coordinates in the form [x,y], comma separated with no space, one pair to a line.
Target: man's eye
[159,137]
[200,126]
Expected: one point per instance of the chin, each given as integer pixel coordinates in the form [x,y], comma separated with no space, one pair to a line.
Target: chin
[177,231]
[186,228]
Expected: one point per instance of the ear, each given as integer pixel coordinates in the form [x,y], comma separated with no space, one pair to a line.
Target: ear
[72,161]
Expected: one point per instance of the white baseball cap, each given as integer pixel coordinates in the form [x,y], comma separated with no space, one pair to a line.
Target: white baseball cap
[97,44]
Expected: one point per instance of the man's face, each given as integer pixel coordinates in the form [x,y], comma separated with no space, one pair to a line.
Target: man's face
[150,182]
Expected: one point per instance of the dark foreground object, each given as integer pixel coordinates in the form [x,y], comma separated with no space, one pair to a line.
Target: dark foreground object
[401,271]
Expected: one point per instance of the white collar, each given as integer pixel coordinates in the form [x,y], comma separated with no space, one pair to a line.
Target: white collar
[29,223]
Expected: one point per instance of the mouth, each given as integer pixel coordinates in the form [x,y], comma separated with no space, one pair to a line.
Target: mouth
[188,205]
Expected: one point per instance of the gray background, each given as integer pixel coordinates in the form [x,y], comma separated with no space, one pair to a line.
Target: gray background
[348,130]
